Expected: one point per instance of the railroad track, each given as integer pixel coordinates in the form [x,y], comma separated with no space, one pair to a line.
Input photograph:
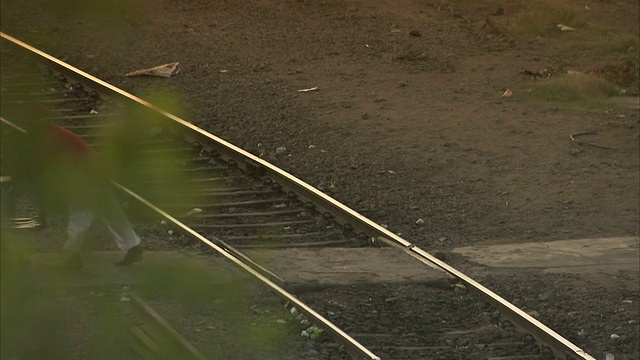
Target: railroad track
[231,200]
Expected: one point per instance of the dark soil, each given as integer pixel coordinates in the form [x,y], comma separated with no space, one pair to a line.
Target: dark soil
[408,122]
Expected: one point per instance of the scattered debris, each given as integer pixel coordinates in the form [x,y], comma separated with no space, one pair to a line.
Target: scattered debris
[565,28]
[166,70]
[544,73]
[308,90]
[574,136]
[507,93]
[194,211]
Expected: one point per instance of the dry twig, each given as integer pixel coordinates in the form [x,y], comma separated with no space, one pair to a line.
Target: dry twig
[573,138]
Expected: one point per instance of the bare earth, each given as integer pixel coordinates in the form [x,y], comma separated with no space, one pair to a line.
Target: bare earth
[408,122]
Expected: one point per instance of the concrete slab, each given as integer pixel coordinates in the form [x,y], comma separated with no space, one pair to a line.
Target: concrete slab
[566,256]
[302,269]
[312,268]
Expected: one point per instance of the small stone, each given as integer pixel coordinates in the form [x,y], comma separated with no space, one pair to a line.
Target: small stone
[416,33]
[281,321]
[281,150]
[194,211]
[124,299]
[420,221]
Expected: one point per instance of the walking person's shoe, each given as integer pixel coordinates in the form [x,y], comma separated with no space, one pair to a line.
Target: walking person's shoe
[131,257]
[73,262]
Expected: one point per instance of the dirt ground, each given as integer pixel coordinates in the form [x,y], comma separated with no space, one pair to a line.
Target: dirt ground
[408,120]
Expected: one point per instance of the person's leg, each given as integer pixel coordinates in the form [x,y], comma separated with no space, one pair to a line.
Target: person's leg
[121,229]
[80,220]
[7,199]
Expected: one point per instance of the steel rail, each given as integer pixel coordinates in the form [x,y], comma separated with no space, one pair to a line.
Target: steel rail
[353,347]
[560,345]
[159,339]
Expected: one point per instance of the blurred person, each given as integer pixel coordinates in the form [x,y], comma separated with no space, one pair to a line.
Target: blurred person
[64,170]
